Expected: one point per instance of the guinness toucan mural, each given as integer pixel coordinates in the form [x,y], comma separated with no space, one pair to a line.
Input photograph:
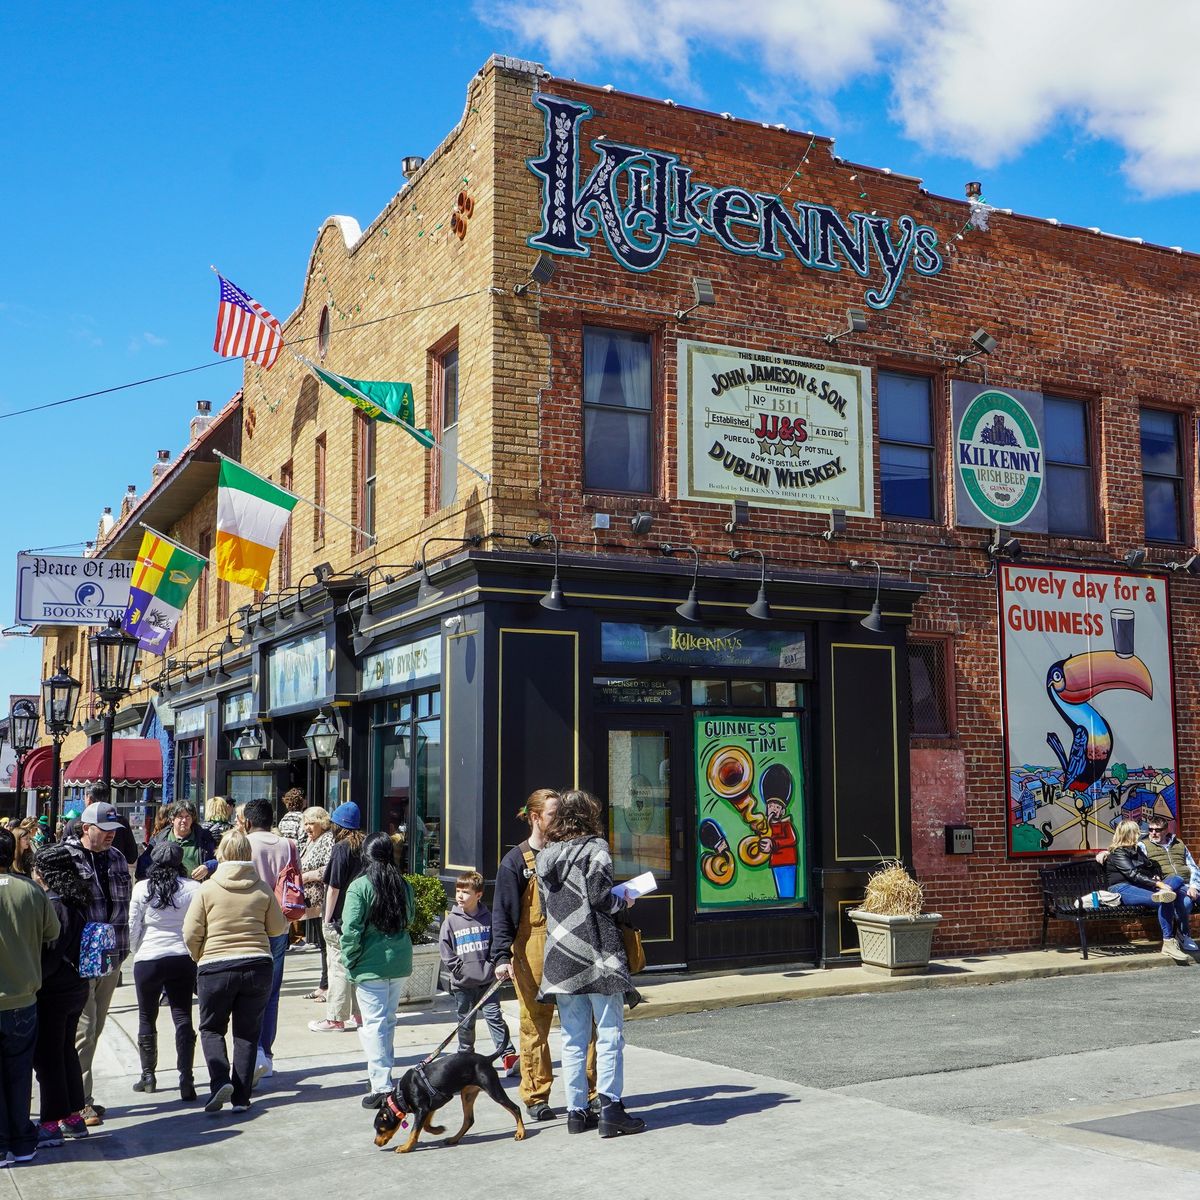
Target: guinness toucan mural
[1089,720]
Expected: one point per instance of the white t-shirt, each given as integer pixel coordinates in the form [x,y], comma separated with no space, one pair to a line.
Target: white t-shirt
[158,932]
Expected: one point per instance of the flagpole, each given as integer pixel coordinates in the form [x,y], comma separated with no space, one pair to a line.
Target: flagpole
[383,412]
[371,538]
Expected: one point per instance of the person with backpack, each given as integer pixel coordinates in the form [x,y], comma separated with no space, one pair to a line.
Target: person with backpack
[60,999]
[228,929]
[105,942]
[273,857]
[162,964]
[376,952]
[27,923]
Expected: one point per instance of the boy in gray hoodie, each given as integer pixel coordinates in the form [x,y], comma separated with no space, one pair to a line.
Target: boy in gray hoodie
[465,944]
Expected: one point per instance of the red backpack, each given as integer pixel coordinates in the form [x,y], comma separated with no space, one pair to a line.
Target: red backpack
[289,891]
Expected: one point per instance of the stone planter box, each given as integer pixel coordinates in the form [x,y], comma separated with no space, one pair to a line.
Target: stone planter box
[895,945]
[420,986]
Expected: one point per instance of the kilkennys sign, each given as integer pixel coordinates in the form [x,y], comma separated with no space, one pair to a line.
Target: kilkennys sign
[643,201]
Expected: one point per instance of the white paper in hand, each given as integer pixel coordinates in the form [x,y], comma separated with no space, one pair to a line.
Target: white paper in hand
[641,885]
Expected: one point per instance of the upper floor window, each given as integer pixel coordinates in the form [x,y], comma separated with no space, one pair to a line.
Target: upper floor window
[204,545]
[319,491]
[618,387]
[364,466]
[1162,476]
[1070,490]
[908,477]
[447,391]
[285,543]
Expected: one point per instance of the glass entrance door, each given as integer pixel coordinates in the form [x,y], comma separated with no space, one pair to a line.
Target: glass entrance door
[639,775]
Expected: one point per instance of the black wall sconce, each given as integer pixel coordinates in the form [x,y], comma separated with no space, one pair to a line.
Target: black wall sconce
[760,609]
[689,610]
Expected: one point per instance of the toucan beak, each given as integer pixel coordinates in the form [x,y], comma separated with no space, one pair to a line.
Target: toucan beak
[1085,675]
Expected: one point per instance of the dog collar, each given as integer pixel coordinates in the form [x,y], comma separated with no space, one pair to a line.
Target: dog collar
[396,1110]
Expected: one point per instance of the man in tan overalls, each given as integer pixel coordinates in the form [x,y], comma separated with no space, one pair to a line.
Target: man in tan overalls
[518,947]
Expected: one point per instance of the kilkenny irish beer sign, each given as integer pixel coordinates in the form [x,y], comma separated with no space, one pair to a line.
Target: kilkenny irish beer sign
[643,201]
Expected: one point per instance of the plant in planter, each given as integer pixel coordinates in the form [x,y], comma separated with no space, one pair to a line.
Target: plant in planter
[429,906]
[895,934]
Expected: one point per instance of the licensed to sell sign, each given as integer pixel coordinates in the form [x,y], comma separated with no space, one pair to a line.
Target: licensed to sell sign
[774,430]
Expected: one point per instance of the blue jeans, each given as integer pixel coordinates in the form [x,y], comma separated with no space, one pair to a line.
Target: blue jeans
[270,1023]
[1172,918]
[378,1000]
[18,1037]
[575,1015]
[465,999]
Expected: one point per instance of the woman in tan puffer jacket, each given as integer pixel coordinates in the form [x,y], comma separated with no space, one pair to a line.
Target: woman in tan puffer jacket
[227,931]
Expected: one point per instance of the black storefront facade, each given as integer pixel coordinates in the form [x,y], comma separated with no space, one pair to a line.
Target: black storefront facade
[466,694]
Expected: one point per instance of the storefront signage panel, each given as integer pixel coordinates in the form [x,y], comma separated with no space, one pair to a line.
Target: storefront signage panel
[1089,719]
[999,458]
[403,667]
[749,813]
[644,201]
[704,646]
[774,430]
[71,591]
[637,693]
[296,671]
[237,709]
[189,721]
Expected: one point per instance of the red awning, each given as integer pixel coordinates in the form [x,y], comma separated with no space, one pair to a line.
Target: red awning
[136,762]
[39,768]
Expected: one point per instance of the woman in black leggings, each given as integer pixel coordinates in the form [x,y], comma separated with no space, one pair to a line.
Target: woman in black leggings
[60,1000]
[161,963]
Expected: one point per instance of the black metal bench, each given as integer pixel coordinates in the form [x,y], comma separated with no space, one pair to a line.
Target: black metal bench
[1064,884]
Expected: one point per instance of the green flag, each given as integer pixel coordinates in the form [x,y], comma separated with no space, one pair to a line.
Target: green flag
[395,399]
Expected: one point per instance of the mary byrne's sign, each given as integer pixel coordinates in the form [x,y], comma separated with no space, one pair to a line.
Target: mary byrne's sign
[774,430]
[71,591]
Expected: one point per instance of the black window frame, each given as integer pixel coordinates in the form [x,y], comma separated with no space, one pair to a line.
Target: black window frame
[1090,467]
[931,448]
[1179,479]
[649,414]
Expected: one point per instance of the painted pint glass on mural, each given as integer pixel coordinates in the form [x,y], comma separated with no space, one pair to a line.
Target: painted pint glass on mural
[1088,705]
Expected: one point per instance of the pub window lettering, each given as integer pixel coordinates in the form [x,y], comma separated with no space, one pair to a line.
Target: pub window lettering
[906,446]
[1162,476]
[617,410]
[1070,486]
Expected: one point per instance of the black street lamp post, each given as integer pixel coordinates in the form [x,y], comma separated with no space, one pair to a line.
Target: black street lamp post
[60,698]
[113,654]
[23,734]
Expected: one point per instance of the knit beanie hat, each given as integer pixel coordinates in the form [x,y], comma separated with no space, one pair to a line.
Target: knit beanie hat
[347,815]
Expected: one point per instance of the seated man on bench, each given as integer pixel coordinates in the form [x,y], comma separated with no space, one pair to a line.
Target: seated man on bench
[1174,860]
[1137,879]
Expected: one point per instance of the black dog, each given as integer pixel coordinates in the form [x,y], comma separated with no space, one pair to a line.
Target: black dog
[421,1091]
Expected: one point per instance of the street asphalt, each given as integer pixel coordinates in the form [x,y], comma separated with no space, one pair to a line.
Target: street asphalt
[1040,1088]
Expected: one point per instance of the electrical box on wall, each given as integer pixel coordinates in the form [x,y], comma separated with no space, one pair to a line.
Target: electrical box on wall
[960,839]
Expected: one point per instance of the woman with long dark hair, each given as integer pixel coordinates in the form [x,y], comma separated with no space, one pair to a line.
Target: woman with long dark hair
[585,971]
[60,999]
[377,956]
[161,962]
[345,862]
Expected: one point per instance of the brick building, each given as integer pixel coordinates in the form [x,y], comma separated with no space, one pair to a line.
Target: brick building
[818,385]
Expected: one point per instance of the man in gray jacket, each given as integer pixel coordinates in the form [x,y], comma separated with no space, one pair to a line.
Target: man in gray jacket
[466,944]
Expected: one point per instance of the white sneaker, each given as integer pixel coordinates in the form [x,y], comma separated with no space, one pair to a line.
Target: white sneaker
[350,1024]
[264,1068]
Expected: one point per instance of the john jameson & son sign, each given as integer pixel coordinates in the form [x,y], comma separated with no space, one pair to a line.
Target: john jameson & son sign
[774,430]
[644,200]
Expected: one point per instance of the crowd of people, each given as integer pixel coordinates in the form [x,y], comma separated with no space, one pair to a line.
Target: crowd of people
[199,911]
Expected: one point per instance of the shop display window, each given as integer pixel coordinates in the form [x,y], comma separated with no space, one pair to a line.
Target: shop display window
[408,776]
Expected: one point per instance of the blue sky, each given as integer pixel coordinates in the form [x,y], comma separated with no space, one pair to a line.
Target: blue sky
[145,142]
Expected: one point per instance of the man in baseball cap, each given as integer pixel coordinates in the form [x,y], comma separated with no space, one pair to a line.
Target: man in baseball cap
[107,873]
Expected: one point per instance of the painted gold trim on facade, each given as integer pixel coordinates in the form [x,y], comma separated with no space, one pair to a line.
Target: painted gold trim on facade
[890,651]
[447,790]
[670,900]
[574,636]
[843,949]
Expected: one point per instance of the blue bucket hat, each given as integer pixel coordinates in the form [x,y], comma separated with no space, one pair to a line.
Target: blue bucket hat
[347,815]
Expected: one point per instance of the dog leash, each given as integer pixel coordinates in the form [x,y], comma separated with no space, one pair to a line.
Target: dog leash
[454,1032]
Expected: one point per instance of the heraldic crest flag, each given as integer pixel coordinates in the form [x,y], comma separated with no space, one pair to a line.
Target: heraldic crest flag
[163,577]
[251,515]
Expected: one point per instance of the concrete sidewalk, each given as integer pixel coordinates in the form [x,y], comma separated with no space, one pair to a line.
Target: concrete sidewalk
[710,1126]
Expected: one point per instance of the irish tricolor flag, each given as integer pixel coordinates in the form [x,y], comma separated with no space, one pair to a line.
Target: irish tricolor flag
[251,514]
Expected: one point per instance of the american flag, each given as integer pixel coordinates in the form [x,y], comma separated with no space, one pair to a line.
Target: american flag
[245,329]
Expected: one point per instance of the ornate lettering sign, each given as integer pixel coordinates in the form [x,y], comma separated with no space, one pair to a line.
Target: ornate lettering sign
[71,591]
[644,201]
[999,457]
[774,430]
[403,666]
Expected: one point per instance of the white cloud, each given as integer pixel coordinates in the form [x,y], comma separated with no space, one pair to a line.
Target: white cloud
[987,80]
[136,343]
[977,79]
